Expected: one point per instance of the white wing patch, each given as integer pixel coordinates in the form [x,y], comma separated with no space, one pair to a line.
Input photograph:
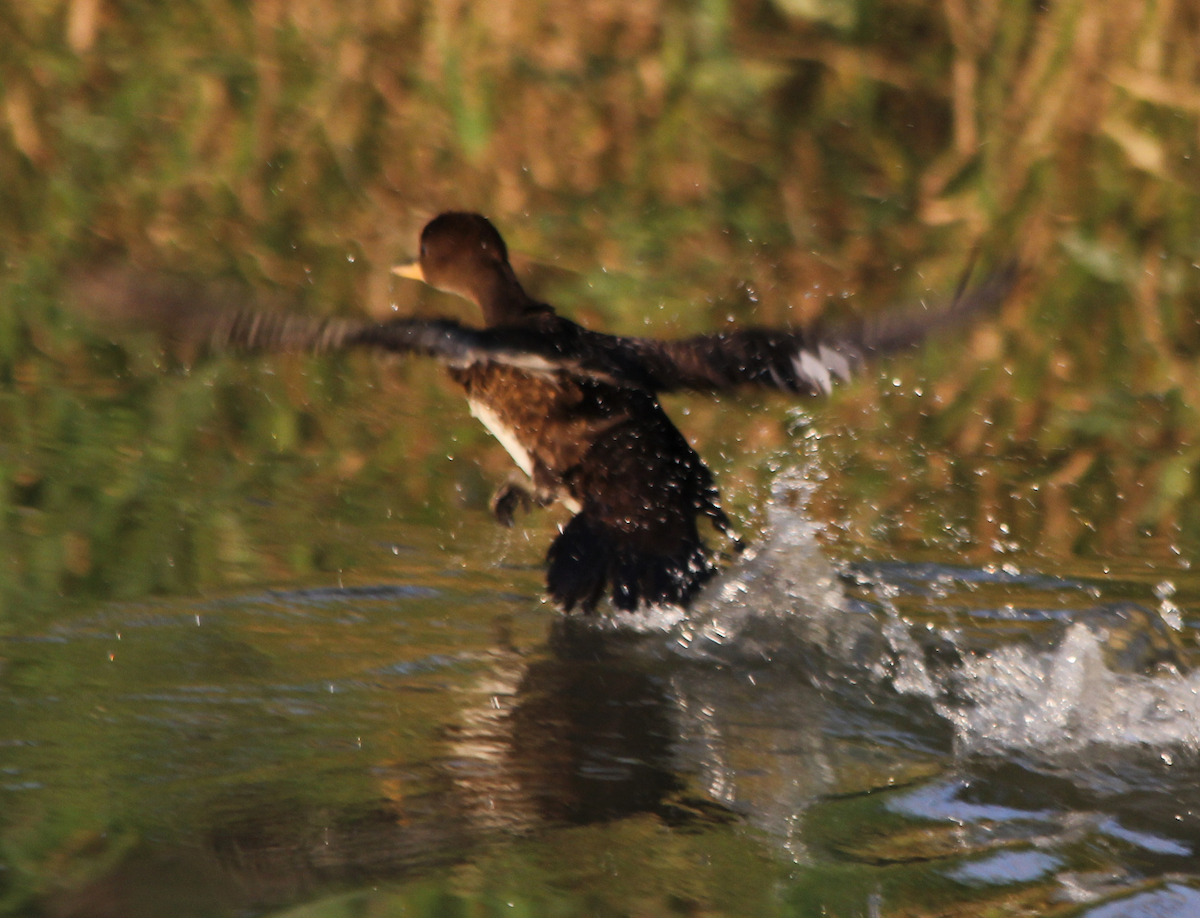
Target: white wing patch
[505,434]
[820,368]
[809,367]
[836,363]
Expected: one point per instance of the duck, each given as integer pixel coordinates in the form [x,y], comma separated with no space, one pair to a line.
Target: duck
[579,412]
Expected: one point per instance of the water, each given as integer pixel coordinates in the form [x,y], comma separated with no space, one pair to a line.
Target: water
[862,737]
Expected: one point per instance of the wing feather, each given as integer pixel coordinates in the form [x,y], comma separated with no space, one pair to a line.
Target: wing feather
[799,362]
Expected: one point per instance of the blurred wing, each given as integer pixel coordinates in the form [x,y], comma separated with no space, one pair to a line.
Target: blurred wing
[789,361]
[806,363]
[448,341]
[802,362]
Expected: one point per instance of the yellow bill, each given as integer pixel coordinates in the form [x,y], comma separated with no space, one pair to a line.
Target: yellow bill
[412,271]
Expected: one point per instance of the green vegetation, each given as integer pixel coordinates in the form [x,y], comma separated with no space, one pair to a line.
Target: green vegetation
[656,166]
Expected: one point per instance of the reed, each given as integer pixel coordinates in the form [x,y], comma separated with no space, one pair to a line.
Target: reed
[657,166]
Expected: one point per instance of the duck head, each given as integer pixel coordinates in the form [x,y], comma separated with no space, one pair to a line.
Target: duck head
[461,253]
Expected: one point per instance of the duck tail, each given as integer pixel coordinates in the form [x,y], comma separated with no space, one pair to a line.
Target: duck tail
[589,556]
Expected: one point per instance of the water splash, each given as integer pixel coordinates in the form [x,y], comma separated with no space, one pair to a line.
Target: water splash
[782,595]
[1085,674]
[1067,699]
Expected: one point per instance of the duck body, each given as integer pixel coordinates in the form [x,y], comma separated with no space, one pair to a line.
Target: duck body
[578,410]
[613,458]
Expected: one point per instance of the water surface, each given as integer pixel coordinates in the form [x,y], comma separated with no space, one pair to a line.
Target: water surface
[854,737]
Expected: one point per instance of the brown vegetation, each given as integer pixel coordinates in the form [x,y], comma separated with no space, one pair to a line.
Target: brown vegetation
[656,165]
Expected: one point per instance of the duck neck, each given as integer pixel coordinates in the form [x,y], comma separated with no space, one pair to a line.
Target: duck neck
[504,301]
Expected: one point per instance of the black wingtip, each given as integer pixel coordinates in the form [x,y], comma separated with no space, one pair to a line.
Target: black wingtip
[895,331]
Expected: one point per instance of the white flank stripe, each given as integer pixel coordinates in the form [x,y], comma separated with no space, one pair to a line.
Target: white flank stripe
[505,434]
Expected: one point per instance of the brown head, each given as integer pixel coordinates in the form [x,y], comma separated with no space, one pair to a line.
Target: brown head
[461,253]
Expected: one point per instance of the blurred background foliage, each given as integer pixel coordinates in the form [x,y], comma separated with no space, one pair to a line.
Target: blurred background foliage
[657,167]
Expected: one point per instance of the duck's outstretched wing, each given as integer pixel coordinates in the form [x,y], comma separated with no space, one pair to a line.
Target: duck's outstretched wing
[796,362]
[806,362]
[450,342]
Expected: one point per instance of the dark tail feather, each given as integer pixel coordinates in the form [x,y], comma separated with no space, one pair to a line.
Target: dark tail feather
[577,565]
[588,556]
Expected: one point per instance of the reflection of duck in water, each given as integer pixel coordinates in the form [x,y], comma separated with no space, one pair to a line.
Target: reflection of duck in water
[579,412]
[577,732]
